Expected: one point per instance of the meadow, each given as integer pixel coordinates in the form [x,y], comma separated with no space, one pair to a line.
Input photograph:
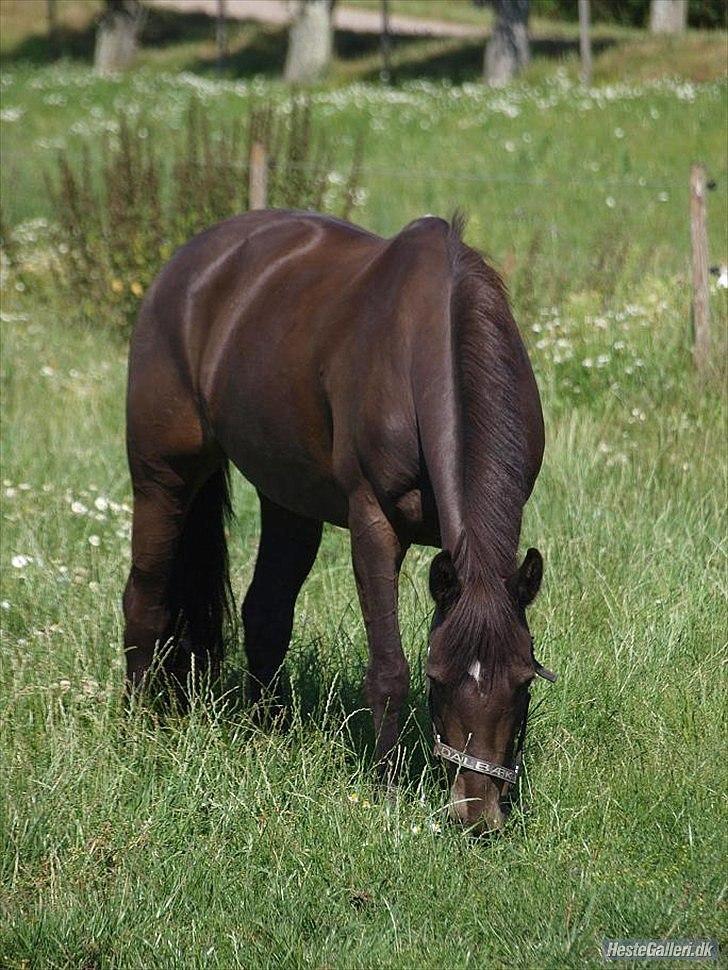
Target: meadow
[205,841]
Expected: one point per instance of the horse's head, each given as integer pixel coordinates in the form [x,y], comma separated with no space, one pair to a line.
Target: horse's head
[479,713]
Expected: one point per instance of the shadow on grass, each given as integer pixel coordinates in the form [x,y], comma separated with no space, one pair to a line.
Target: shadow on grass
[162,30]
[324,684]
[462,61]
[37,49]
[256,49]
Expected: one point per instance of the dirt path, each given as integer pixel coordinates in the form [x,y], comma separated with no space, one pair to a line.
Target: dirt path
[357,20]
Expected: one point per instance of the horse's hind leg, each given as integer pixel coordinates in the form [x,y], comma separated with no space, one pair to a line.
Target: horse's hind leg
[177,586]
[287,551]
[148,611]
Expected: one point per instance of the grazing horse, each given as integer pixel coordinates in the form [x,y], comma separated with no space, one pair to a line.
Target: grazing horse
[377,384]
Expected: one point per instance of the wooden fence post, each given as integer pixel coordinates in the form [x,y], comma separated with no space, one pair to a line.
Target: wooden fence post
[699,238]
[258,177]
[52,18]
[585,43]
[385,43]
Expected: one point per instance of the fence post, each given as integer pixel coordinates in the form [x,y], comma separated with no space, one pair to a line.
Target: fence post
[258,177]
[52,18]
[585,43]
[385,43]
[699,238]
[221,35]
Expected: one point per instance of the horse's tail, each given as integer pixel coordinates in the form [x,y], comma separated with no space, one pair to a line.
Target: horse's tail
[200,591]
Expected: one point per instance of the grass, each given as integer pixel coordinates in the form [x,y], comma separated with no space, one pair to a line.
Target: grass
[205,842]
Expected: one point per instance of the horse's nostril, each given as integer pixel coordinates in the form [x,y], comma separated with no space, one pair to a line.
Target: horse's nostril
[475,818]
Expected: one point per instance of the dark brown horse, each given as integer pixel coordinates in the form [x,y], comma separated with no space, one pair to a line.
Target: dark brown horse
[377,384]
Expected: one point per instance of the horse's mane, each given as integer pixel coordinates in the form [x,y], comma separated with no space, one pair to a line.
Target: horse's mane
[487,364]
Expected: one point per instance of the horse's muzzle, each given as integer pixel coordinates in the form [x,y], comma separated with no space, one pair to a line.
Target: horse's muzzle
[477,806]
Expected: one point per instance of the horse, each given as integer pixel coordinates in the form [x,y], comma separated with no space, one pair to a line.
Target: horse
[376,384]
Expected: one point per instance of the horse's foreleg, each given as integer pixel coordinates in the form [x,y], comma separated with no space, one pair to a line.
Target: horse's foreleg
[377,555]
[287,551]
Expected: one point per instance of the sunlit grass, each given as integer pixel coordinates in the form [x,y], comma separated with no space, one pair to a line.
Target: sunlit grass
[206,842]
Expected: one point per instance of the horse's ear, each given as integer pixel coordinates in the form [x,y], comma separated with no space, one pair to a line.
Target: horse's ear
[525,583]
[444,582]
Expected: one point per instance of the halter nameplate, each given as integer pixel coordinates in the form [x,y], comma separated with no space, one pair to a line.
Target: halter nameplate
[443,750]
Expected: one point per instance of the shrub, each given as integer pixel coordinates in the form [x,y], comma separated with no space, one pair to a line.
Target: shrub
[118,219]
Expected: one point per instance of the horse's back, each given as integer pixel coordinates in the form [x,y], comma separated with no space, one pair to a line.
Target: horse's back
[291,335]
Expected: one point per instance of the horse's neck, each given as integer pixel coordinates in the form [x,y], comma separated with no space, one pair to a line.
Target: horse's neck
[471,428]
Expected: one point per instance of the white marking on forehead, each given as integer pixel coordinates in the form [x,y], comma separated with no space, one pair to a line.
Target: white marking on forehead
[474,670]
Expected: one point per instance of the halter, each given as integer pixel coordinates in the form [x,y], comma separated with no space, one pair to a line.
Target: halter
[464,760]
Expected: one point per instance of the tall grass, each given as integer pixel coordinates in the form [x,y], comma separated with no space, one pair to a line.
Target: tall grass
[123,207]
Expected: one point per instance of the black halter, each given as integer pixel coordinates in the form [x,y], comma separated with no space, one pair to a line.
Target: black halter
[508,775]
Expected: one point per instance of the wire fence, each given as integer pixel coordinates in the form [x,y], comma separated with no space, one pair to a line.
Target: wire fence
[472,178]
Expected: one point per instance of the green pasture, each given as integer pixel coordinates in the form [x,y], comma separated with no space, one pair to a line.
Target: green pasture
[206,842]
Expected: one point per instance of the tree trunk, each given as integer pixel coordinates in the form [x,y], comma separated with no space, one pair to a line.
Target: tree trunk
[668,16]
[310,42]
[117,35]
[507,50]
